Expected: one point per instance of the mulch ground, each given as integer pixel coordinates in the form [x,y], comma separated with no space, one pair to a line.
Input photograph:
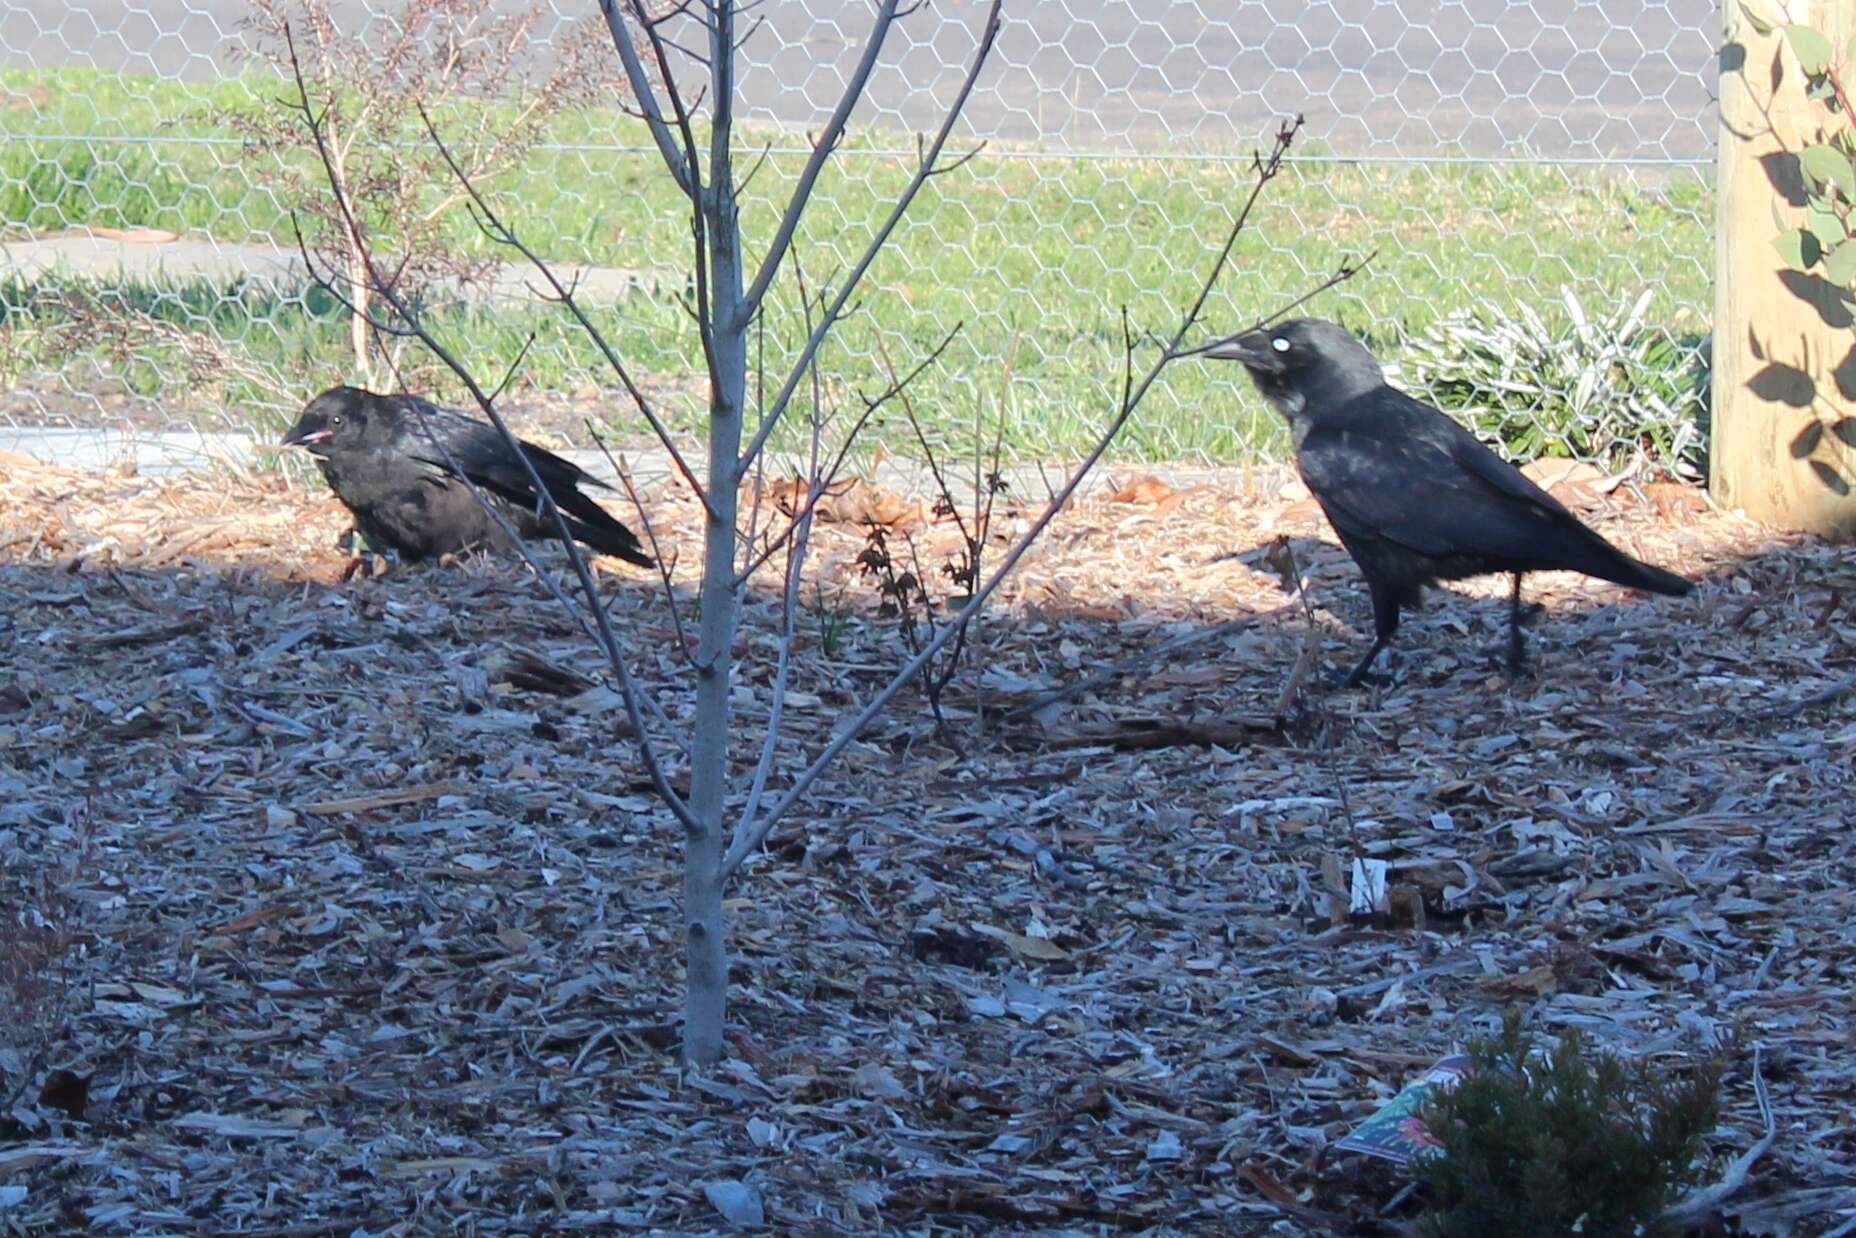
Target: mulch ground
[343,906]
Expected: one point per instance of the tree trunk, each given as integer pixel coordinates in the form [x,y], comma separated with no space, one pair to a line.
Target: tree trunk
[1783,447]
[706,999]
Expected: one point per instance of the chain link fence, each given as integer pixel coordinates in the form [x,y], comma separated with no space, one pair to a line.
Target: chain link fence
[1536,181]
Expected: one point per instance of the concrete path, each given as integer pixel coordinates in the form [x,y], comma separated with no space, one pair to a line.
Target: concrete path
[145,256]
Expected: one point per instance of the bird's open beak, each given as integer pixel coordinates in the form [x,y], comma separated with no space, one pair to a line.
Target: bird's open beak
[308,439]
[1253,350]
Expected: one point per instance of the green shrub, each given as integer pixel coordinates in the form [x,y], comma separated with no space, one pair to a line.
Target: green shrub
[1609,389]
[1574,1142]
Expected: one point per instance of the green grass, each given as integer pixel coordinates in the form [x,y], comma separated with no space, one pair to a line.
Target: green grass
[1014,244]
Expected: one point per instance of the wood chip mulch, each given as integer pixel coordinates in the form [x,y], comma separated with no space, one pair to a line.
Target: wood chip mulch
[344,907]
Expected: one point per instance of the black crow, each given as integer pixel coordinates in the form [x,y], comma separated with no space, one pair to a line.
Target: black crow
[382,456]
[1414,496]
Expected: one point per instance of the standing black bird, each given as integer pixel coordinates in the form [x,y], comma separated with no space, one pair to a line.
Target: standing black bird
[1414,496]
[382,456]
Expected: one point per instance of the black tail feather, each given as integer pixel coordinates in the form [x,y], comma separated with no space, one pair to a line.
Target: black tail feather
[609,537]
[1620,569]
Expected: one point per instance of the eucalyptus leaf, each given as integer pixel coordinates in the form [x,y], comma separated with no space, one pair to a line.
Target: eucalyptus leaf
[1755,20]
[1826,165]
[1798,248]
[1826,225]
[1811,47]
[1840,264]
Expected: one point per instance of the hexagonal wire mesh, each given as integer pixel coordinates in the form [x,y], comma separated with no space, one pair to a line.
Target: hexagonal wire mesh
[1498,156]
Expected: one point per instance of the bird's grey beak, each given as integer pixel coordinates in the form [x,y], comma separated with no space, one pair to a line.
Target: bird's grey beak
[294,439]
[1253,350]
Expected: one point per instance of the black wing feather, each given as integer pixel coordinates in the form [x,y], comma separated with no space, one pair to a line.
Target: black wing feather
[482,455]
[1391,469]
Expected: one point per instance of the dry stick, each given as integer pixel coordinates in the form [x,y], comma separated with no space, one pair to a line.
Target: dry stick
[1326,736]
[760,411]
[926,170]
[1698,1204]
[1298,674]
[684,173]
[628,689]
[1109,674]
[720,132]
[1300,301]
[938,678]
[994,486]
[1823,696]
[1132,395]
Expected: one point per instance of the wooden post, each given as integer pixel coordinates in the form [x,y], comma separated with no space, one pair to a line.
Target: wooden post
[1784,435]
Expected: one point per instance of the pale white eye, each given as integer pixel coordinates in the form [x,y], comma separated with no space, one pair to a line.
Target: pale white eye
[1280,344]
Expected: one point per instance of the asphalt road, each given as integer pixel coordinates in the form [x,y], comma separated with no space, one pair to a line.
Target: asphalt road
[1629,79]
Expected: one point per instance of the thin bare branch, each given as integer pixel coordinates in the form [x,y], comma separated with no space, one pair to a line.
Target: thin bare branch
[760,161]
[1266,170]
[960,161]
[498,230]
[629,689]
[871,406]
[849,286]
[664,567]
[330,281]
[821,154]
[515,367]
[795,564]
[699,238]
[1701,1204]
[1347,270]
[681,170]
[921,439]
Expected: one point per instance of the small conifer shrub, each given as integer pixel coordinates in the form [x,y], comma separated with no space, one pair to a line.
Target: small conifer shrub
[1571,1142]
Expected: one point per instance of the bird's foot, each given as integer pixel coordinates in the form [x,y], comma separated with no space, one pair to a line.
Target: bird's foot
[1512,661]
[1362,672]
[1360,677]
[368,565]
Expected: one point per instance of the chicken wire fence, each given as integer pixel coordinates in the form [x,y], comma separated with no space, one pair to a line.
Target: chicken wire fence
[1534,180]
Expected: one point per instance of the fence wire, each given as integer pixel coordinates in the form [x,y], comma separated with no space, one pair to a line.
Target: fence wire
[1536,180]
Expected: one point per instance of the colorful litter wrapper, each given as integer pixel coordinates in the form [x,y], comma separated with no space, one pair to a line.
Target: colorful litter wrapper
[1395,1132]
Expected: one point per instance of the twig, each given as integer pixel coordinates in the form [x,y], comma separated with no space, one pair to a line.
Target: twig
[1109,674]
[1699,1204]
[871,406]
[683,171]
[1822,696]
[828,141]
[500,232]
[664,566]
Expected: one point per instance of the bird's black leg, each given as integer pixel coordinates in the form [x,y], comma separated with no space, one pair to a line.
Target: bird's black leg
[1516,652]
[1385,623]
[1358,674]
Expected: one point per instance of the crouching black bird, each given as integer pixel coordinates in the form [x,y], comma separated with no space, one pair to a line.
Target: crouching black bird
[382,456]
[1414,496]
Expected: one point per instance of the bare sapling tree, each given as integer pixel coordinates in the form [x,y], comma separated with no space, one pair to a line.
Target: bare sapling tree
[475,62]
[740,783]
